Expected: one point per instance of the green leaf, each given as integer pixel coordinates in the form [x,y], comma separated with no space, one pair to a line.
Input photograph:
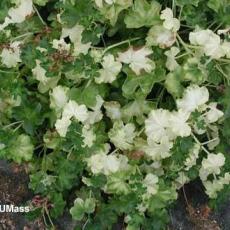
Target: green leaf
[173,83]
[58,204]
[67,173]
[143,84]
[117,184]
[22,149]
[87,94]
[194,71]
[161,199]
[31,114]
[78,210]
[214,5]
[196,15]
[112,12]
[143,14]
[81,12]
[90,205]
[214,76]
[185,2]
[81,207]
[40,2]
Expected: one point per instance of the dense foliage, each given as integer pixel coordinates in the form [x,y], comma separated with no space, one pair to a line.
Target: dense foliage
[117,104]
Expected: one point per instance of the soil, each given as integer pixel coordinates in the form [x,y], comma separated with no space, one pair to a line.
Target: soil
[14,190]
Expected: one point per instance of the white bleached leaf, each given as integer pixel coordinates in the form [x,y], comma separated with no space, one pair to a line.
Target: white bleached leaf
[178,123]
[213,187]
[58,98]
[190,161]
[160,36]
[122,136]
[39,72]
[11,56]
[171,62]
[113,110]
[150,182]
[111,69]
[181,180]
[19,13]
[96,163]
[62,126]
[170,22]
[215,137]
[158,151]
[99,3]
[95,115]
[88,136]
[213,113]
[157,125]
[75,35]
[209,41]
[102,162]
[72,109]
[211,165]
[61,45]
[194,97]
[137,59]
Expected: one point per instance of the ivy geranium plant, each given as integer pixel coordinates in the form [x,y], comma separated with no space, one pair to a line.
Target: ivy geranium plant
[117,103]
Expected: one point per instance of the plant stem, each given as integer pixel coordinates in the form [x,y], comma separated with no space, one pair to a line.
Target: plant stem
[222,72]
[198,142]
[50,220]
[22,36]
[183,44]
[17,127]
[140,132]
[182,55]
[120,43]
[207,142]
[9,72]
[181,9]
[224,60]
[37,12]
[83,227]
[12,124]
[187,46]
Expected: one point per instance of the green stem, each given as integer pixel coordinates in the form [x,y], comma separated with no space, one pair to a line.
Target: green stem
[212,24]
[173,7]
[50,220]
[183,44]
[37,12]
[198,142]
[140,132]
[224,60]
[114,151]
[120,43]
[181,9]
[87,221]
[22,36]
[159,98]
[218,26]
[207,142]
[12,124]
[208,61]
[19,126]
[222,72]
[44,219]
[9,72]
[182,55]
